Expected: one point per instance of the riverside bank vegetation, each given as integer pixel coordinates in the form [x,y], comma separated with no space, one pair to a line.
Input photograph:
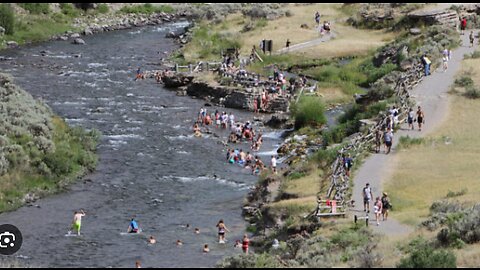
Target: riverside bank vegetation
[39,153]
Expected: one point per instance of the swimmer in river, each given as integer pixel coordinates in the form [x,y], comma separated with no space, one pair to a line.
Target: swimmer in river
[152,240]
[222,229]
[238,244]
[197,230]
[133,227]
[77,220]
[196,130]
[179,242]
[206,249]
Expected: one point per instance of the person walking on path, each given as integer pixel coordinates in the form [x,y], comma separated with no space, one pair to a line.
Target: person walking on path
[388,140]
[445,63]
[317,18]
[411,115]
[463,25]
[288,44]
[420,118]
[367,197]
[472,38]
[386,205]
[426,62]
[348,162]
[378,208]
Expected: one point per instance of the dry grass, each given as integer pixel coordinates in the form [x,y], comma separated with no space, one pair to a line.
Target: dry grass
[428,172]
[333,95]
[468,256]
[289,27]
[306,186]
[295,207]
[349,41]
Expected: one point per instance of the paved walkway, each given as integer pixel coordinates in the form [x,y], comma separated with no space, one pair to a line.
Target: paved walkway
[431,95]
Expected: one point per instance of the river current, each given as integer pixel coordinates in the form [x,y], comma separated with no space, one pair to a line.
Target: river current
[150,166]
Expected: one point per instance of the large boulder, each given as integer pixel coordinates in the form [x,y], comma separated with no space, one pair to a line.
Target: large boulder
[12,44]
[75,35]
[78,41]
[277,120]
[177,80]
[170,34]
[2,31]
[87,31]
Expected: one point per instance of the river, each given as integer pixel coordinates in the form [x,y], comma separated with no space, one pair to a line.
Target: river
[150,165]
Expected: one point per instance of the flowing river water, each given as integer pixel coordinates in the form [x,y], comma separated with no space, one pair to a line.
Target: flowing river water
[150,165]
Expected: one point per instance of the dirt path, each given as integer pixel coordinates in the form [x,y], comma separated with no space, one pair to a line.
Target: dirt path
[310,43]
[431,95]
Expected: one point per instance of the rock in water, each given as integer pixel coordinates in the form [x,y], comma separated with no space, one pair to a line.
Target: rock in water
[12,44]
[79,41]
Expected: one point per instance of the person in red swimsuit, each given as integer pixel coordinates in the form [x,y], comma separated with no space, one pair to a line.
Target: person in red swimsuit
[245,243]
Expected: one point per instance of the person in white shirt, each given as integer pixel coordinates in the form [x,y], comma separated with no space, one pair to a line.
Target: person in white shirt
[274,164]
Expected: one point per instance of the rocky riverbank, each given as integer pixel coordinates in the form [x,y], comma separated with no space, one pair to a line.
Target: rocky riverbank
[98,24]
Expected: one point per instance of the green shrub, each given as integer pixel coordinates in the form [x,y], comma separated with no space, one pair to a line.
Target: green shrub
[296,175]
[464,81]
[261,23]
[102,8]
[309,111]
[380,92]
[351,237]
[452,194]
[423,255]
[36,8]
[374,73]
[263,260]
[147,9]
[462,225]
[476,54]
[69,10]
[472,92]
[327,156]
[7,18]
[60,161]
[212,44]
[406,142]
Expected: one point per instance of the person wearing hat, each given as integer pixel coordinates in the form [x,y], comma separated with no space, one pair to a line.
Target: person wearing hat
[386,205]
